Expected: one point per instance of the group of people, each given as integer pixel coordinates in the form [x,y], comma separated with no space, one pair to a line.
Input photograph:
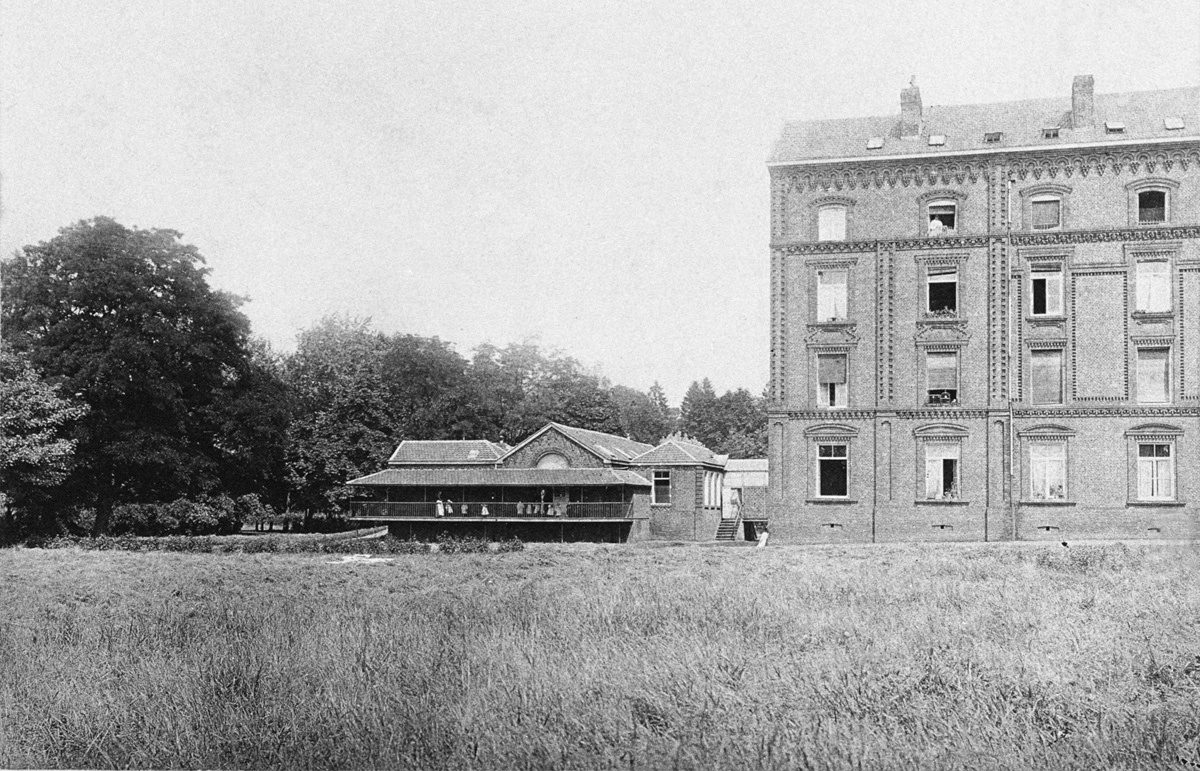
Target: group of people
[446,508]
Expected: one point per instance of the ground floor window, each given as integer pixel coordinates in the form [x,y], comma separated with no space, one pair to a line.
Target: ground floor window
[941,470]
[1156,472]
[833,471]
[1048,471]
[660,493]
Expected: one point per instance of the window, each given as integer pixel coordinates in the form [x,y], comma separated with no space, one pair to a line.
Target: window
[874,143]
[1046,212]
[1050,132]
[831,375]
[942,292]
[992,137]
[1156,472]
[941,471]
[937,140]
[831,295]
[553,460]
[1046,375]
[1152,207]
[1153,287]
[1047,291]
[833,471]
[712,489]
[942,217]
[1114,127]
[831,223]
[1173,123]
[941,375]
[1048,471]
[660,493]
[1153,375]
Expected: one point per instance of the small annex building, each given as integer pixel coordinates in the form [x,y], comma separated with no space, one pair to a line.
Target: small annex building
[560,483]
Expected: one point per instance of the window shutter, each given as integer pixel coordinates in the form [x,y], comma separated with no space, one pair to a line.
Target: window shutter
[831,369]
[1045,214]
[942,371]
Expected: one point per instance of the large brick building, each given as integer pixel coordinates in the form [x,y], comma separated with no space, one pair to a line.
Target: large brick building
[986,321]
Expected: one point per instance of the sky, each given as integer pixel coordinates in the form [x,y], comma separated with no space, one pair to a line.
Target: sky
[587,175]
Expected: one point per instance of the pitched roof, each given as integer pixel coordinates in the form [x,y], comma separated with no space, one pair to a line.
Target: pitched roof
[472,476]
[678,451]
[605,446]
[1019,123]
[746,464]
[419,451]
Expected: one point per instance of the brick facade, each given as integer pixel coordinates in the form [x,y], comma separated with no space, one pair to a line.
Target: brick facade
[1033,454]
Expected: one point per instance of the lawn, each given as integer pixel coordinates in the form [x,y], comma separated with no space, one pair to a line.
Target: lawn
[582,656]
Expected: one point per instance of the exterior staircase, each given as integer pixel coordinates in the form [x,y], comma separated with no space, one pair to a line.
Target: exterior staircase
[728,529]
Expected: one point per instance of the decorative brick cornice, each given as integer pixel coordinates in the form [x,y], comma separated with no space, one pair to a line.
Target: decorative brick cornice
[1038,164]
[1120,411]
[865,247]
[1156,233]
[1020,240]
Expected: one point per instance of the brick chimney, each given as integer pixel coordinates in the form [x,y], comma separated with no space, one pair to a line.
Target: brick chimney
[1083,101]
[910,110]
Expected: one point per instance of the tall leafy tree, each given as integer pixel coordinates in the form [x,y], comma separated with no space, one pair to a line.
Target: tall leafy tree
[35,447]
[698,413]
[642,418]
[739,425]
[126,319]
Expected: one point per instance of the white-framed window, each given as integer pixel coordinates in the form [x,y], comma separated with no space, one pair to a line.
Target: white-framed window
[1045,212]
[1155,472]
[832,294]
[1046,376]
[1153,375]
[660,492]
[941,377]
[1046,292]
[943,216]
[833,471]
[941,470]
[712,489]
[831,223]
[1153,287]
[941,291]
[1151,207]
[1048,471]
[832,379]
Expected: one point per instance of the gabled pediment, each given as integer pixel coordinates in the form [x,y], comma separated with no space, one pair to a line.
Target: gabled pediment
[942,332]
[940,430]
[831,429]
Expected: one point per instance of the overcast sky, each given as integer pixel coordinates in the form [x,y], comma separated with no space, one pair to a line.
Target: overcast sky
[590,175]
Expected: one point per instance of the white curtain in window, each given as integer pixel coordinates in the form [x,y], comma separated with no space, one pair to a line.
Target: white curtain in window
[1152,375]
[1153,287]
[1048,470]
[831,295]
[935,467]
[942,371]
[831,223]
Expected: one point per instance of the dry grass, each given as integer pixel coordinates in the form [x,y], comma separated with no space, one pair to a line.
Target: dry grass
[984,656]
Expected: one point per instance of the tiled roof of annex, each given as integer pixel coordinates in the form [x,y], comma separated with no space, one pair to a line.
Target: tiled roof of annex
[676,450]
[439,451]
[471,476]
[1020,124]
[609,446]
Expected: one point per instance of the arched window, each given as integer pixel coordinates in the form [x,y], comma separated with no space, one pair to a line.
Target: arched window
[553,460]
[831,223]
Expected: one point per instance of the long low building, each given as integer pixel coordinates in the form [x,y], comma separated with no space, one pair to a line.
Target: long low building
[561,483]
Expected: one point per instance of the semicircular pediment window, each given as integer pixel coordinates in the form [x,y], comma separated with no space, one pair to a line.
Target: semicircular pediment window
[553,460]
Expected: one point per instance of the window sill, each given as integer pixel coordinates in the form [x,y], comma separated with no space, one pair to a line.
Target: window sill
[1154,504]
[941,502]
[841,321]
[660,505]
[1034,318]
[947,405]
[1046,503]
[1154,315]
[829,501]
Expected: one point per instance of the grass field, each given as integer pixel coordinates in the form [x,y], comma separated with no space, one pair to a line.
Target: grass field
[580,656]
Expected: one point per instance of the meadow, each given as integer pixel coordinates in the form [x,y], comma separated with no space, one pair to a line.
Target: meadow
[586,656]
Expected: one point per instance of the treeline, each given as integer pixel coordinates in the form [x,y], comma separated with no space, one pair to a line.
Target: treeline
[126,379]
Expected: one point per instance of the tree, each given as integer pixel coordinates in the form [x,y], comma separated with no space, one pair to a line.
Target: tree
[642,417]
[739,425]
[35,449]
[697,413]
[125,318]
[424,378]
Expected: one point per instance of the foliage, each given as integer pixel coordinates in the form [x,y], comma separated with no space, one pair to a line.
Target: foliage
[125,319]
[644,416]
[878,656]
[348,543]
[734,424]
[35,451]
[212,516]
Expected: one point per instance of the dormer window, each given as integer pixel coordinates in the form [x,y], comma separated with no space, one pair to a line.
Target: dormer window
[943,216]
[1173,124]
[874,143]
[937,140]
[1050,132]
[1114,127]
[992,137]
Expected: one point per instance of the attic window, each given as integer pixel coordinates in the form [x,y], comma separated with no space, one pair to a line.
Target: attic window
[937,139]
[1173,124]
[1050,132]
[1114,127]
[473,454]
[992,137]
[874,143]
